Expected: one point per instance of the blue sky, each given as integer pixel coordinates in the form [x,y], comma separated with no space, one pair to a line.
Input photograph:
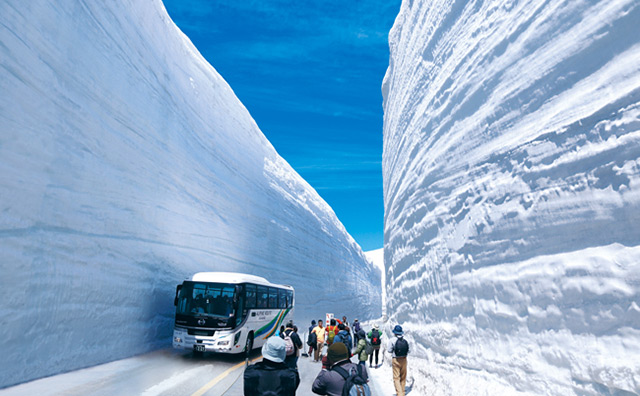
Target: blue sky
[310,75]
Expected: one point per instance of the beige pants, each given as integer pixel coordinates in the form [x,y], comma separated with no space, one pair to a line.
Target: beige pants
[399,374]
[317,354]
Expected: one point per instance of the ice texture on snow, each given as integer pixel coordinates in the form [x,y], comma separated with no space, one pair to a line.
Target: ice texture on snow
[126,164]
[512,194]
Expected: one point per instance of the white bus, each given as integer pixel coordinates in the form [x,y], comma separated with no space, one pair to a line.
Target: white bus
[229,312]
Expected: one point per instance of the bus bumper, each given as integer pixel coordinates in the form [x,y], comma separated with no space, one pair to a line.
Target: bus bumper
[222,343]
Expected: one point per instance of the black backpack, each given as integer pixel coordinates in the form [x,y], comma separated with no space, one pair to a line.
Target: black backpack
[354,383]
[375,337]
[312,340]
[401,348]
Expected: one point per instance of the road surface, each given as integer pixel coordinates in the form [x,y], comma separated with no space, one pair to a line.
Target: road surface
[165,372]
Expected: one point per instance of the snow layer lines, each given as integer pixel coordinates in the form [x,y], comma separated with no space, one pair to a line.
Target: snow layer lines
[127,164]
[512,194]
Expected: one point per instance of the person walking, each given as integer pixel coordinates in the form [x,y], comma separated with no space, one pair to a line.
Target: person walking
[356,330]
[344,337]
[319,331]
[361,348]
[332,330]
[312,343]
[399,349]
[293,344]
[347,327]
[271,376]
[375,337]
[331,381]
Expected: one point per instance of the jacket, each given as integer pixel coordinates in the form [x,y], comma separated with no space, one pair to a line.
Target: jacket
[329,382]
[268,376]
[344,337]
[361,350]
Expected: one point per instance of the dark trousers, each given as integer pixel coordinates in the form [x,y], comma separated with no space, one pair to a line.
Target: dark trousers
[376,351]
[291,361]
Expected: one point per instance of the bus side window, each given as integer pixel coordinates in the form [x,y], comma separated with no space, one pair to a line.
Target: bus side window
[263,297]
[273,298]
[251,296]
[282,298]
[289,299]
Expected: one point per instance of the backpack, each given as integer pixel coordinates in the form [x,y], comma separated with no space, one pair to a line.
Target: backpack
[356,327]
[401,348]
[354,384]
[368,347]
[312,340]
[375,337]
[288,343]
[332,333]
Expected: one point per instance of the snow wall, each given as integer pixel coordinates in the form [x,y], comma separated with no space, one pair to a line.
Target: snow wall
[127,164]
[512,194]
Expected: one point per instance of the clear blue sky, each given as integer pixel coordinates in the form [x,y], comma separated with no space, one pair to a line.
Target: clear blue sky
[310,75]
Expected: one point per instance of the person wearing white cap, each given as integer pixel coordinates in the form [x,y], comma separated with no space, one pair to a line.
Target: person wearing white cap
[271,376]
[375,337]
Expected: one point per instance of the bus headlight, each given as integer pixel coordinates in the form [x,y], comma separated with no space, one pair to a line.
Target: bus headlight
[221,343]
[178,336]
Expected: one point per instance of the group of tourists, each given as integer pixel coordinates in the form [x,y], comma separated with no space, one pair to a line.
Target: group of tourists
[277,373]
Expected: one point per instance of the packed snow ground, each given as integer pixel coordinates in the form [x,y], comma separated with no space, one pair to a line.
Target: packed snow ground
[126,164]
[512,195]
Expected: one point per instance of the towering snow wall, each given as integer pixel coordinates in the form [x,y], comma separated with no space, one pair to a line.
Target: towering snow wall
[127,164]
[512,192]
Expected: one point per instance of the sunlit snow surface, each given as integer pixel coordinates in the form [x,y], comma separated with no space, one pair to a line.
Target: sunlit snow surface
[512,198]
[126,164]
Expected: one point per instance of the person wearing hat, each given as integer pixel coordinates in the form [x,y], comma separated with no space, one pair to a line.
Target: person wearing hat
[330,382]
[375,337]
[399,348]
[271,376]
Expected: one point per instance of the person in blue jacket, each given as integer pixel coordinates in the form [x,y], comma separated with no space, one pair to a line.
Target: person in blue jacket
[344,337]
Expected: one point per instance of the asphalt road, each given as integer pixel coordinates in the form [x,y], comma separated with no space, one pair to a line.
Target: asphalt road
[165,372]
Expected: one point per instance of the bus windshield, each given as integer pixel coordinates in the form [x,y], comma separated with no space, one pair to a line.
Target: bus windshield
[208,299]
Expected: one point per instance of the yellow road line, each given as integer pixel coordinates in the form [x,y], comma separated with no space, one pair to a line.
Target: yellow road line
[219,378]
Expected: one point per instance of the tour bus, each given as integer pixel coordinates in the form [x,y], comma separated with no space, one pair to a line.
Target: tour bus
[229,312]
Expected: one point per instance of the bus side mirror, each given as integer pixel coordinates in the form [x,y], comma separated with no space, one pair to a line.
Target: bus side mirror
[175,300]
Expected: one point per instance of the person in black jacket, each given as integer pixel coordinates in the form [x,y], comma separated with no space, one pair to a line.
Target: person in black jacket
[291,331]
[312,345]
[271,375]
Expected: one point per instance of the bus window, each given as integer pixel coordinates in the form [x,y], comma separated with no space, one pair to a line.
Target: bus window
[263,297]
[289,299]
[251,296]
[282,298]
[206,298]
[273,297]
